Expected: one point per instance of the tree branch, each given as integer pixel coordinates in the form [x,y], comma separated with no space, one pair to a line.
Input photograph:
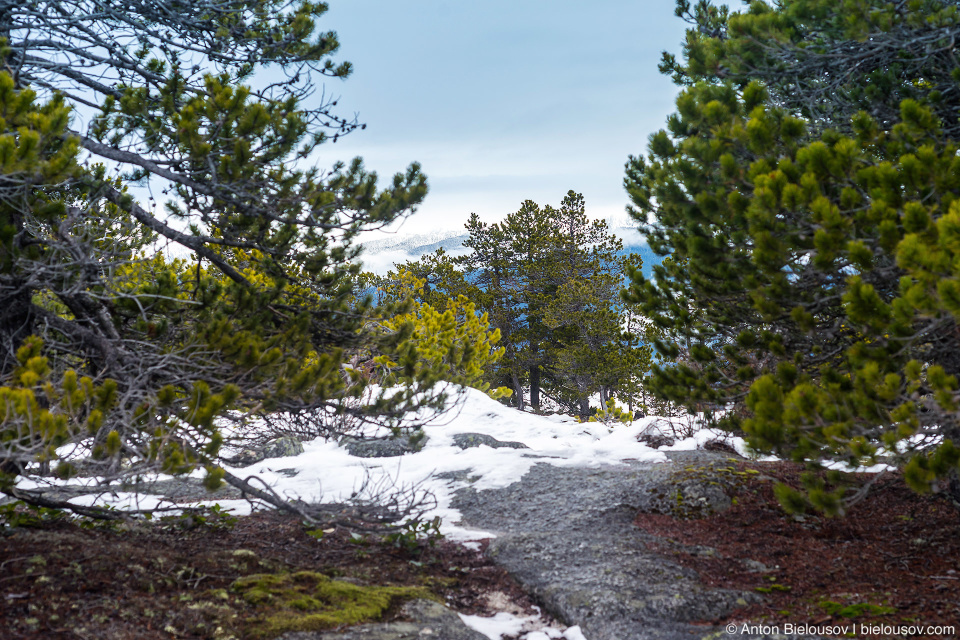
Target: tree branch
[193,243]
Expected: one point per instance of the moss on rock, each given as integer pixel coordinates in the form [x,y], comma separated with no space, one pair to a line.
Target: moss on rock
[308,601]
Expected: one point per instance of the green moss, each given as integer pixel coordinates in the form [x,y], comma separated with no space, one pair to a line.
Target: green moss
[264,580]
[308,601]
[855,610]
[772,588]
[306,604]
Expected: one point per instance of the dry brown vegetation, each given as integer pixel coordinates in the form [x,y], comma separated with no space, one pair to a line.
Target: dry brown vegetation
[895,558]
[62,580]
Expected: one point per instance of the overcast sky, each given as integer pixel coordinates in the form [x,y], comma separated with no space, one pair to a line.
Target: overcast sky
[503,100]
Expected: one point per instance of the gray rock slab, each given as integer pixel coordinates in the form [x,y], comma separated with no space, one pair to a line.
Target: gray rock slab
[277,448]
[567,535]
[383,447]
[427,620]
[468,440]
[282,447]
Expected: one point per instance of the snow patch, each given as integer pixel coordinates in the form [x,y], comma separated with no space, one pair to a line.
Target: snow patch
[522,627]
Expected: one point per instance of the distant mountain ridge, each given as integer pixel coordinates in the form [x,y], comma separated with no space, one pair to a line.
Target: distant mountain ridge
[416,243]
[381,255]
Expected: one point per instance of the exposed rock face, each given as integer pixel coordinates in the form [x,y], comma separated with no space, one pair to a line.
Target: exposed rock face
[276,448]
[721,447]
[567,535]
[656,440]
[428,620]
[681,497]
[384,447]
[282,447]
[468,440]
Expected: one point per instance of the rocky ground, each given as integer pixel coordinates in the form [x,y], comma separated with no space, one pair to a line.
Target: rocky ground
[568,536]
[215,577]
[682,550]
[636,551]
[893,561]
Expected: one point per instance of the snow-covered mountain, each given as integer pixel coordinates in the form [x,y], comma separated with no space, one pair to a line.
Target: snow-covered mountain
[381,255]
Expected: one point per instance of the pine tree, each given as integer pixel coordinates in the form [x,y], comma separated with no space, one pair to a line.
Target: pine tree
[449,339]
[549,280]
[104,341]
[529,232]
[808,199]
[490,267]
[580,295]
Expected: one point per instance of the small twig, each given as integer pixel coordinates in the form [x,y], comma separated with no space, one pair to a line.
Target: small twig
[864,490]
[4,563]
[198,580]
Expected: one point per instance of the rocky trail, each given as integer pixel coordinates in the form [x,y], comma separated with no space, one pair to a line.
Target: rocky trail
[567,535]
[584,518]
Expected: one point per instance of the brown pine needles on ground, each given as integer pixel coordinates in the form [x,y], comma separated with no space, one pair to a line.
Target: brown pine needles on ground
[63,581]
[893,560]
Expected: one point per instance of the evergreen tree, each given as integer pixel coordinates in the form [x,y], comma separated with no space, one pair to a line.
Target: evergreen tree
[489,266]
[580,294]
[549,280]
[106,343]
[449,339]
[529,232]
[443,281]
[808,199]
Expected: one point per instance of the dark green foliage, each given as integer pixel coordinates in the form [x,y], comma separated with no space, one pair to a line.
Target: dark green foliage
[807,198]
[104,339]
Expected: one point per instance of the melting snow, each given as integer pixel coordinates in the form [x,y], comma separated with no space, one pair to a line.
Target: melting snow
[326,472]
[324,469]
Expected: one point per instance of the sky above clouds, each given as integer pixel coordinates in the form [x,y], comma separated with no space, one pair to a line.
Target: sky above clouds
[501,101]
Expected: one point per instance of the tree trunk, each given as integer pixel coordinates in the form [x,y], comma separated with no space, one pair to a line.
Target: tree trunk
[584,407]
[535,387]
[518,391]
